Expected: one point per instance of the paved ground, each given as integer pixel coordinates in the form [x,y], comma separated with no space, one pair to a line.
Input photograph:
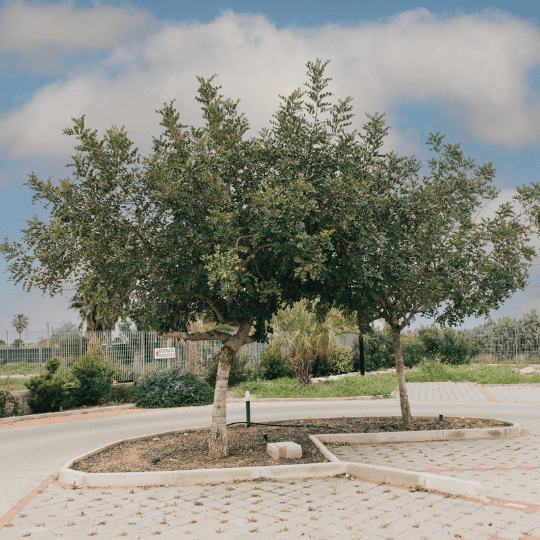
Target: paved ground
[323,508]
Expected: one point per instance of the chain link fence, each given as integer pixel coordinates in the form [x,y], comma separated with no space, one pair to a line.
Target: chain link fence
[131,354]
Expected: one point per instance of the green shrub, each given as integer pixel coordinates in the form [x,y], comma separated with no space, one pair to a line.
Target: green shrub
[413,350]
[447,344]
[273,363]
[378,352]
[342,360]
[93,379]
[237,374]
[47,394]
[170,388]
[333,361]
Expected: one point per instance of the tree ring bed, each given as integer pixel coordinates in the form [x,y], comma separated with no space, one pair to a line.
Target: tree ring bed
[188,449]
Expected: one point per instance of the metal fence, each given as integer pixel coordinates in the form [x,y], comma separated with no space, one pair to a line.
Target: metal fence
[131,354]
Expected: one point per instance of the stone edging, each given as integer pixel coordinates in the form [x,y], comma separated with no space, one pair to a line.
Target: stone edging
[10,419]
[377,473]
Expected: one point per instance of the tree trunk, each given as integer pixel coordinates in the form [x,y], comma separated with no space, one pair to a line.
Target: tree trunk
[403,399]
[217,442]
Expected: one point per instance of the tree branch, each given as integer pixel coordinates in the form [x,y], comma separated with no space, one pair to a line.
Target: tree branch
[213,335]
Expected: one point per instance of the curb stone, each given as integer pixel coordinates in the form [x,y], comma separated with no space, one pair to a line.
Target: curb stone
[379,473]
[66,413]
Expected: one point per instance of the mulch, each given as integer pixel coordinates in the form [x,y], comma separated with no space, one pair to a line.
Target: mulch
[188,449]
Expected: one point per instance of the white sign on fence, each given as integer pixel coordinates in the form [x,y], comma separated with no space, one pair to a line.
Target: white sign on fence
[166,352]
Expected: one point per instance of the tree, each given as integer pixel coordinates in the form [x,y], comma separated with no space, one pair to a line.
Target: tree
[430,254]
[20,322]
[90,313]
[212,224]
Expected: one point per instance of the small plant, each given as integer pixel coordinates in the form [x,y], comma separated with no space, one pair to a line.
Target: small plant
[273,363]
[47,393]
[171,388]
[94,379]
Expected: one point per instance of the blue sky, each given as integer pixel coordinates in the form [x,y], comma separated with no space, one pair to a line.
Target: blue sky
[470,70]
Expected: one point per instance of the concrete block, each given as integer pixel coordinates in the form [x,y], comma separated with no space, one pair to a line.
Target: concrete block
[305,470]
[325,452]
[287,450]
[207,476]
[454,486]
[391,475]
[157,478]
[69,476]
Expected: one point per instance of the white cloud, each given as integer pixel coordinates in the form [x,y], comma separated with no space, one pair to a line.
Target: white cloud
[40,33]
[473,67]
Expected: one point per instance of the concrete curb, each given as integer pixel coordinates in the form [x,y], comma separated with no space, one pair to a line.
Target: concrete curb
[342,398]
[377,473]
[10,419]
[416,436]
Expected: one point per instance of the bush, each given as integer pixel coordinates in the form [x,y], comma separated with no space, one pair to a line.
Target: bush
[94,379]
[448,345]
[47,394]
[342,360]
[378,352]
[273,363]
[170,388]
[413,350]
[8,404]
[333,361]
[237,374]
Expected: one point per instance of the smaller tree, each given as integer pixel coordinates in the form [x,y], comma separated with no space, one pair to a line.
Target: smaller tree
[20,322]
[428,252]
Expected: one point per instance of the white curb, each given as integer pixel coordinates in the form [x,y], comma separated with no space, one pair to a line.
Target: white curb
[378,473]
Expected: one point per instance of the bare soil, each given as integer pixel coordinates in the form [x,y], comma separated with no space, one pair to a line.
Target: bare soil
[188,449]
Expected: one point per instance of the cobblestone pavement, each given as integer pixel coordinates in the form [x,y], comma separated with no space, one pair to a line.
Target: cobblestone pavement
[350,508]
[316,508]
[445,391]
[515,393]
[507,468]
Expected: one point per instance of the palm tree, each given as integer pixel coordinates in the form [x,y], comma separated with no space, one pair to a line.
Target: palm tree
[89,312]
[20,322]
[309,336]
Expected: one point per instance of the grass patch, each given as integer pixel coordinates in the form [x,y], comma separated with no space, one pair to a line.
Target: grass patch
[478,373]
[346,387]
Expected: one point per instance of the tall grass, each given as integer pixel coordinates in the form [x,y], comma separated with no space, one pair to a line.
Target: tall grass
[346,387]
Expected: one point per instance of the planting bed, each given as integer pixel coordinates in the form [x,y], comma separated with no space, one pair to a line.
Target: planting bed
[187,450]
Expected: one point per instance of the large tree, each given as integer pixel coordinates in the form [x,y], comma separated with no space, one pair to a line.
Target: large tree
[432,251]
[213,223]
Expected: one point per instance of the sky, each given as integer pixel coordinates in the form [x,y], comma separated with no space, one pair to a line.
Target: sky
[467,69]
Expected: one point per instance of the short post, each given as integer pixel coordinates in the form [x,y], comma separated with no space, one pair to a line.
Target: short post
[248,411]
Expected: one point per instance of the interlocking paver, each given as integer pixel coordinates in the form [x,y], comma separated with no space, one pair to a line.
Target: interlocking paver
[337,508]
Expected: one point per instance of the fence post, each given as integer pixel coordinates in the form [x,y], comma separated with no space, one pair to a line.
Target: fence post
[143,351]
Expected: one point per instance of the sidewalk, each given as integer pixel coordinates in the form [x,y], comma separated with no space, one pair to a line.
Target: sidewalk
[327,508]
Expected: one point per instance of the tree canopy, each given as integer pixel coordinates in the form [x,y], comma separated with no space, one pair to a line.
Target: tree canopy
[218,225]
[213,224]
[432,253]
